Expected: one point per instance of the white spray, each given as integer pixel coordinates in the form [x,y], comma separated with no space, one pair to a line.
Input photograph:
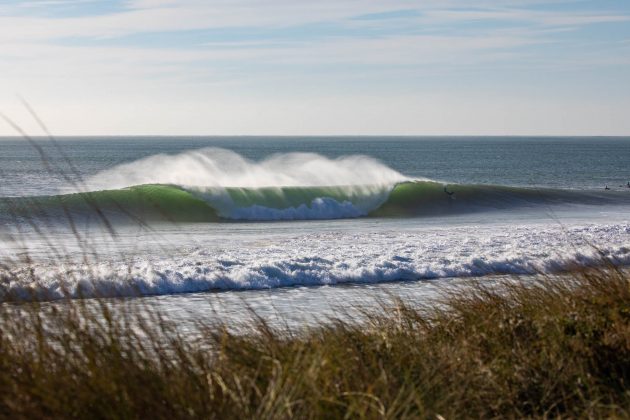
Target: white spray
[207,172]
[215,167]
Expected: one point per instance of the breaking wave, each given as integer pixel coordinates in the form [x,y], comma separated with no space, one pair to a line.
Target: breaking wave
[309,260]
[195,204]
[213,185]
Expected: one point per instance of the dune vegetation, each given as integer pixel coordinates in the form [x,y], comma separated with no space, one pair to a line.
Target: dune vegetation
[556,347]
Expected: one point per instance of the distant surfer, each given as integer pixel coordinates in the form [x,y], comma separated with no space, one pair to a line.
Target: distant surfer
[451,194]
[606,187]
[628,184]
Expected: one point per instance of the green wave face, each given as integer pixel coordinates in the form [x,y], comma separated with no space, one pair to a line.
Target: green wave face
[431,198]
[145,202]
[409,199]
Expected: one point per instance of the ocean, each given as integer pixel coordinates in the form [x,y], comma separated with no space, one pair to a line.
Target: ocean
[298,225]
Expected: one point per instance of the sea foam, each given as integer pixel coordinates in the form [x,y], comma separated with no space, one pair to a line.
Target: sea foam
[329,258]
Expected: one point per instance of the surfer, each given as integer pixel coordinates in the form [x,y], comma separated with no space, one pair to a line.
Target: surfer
[451,194]
[628,184]
[606,187]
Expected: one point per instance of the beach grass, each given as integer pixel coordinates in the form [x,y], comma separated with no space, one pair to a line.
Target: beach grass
[552,347]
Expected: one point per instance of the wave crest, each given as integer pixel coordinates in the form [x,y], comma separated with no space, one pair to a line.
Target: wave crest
[215,167]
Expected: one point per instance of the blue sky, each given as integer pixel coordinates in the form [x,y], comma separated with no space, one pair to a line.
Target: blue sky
[324,67]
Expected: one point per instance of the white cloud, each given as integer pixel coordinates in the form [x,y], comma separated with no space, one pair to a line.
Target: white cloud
[523,15]
[305,85]
[142,16]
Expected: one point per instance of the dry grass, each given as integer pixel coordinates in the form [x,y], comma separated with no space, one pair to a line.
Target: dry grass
[557,348]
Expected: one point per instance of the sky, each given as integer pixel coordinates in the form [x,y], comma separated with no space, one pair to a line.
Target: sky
[325,67]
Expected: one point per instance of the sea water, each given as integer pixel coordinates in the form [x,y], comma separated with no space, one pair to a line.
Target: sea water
[295,226]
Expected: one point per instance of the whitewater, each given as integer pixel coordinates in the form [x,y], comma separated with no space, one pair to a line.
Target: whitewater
[328,257]
[203,215]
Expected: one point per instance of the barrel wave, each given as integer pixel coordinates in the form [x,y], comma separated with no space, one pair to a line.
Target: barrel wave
[218,204]
[217,185]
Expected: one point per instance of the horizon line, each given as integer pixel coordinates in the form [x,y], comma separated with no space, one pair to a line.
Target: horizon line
[11,136]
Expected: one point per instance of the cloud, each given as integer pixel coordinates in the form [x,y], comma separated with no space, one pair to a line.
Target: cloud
[142,16]
[148,54]
[524,15]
